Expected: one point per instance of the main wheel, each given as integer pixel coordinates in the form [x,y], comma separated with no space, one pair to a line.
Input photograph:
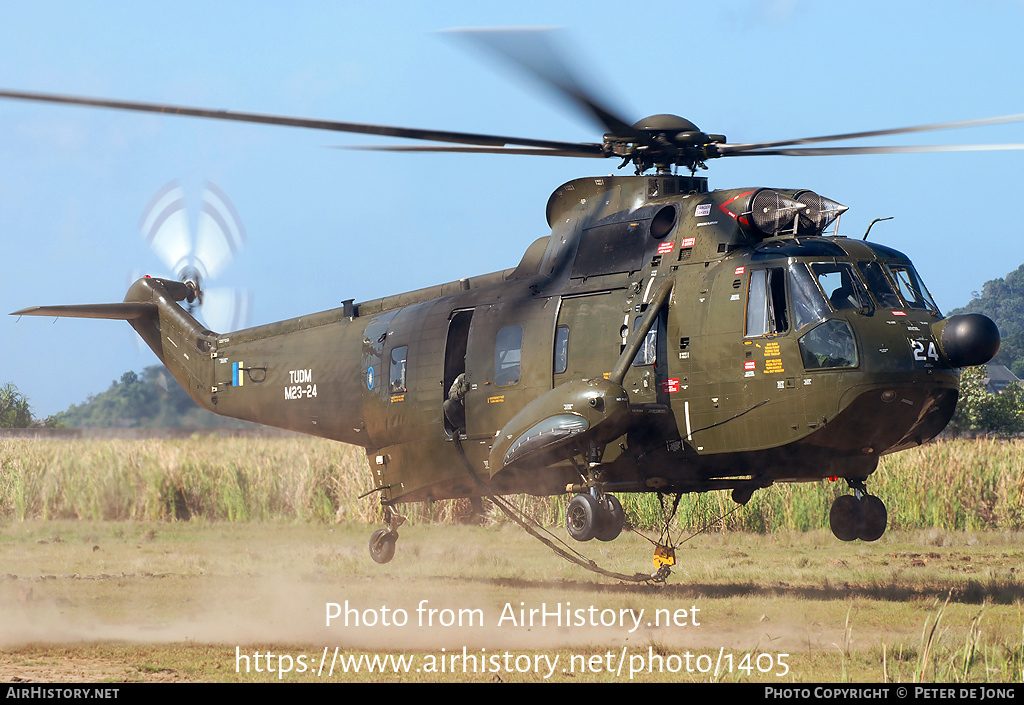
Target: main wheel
[611,519]
[582,517]
[846,518]
[876,518]
[382,545]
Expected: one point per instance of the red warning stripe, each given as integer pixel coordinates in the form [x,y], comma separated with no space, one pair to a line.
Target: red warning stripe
[729,212]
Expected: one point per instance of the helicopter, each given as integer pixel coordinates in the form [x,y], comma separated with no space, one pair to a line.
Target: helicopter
[664,337]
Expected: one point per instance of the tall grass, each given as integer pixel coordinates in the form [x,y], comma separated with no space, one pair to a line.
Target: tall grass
[948,485]
[235,479]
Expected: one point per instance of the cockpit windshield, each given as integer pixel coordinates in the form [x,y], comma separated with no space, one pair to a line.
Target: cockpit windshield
[879,285]
[911,287]
[816,289]
[841,285]
[844,283]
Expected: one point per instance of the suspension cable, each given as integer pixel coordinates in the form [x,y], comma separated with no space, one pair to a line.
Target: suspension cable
[522,520]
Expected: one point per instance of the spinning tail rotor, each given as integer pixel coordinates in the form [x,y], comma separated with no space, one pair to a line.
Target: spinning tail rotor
[220,236]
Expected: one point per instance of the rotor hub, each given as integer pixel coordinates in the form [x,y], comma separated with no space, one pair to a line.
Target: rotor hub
[666,123]
[663,141]
[190,278]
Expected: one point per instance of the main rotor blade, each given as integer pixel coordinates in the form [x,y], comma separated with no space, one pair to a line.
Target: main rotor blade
[332,125]
[582,150]
[532,51]
[728,149]
[834,151]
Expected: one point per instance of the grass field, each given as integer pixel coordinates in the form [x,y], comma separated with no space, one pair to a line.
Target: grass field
[103,579]
[952,485]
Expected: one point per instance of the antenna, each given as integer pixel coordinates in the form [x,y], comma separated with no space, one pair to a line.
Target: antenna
[872,223]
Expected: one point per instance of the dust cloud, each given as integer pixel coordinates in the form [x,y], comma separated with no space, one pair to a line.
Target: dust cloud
[386,612]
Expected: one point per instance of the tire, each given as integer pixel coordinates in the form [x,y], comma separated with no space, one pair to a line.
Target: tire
[611,519]
[382,546]
[582,517]
[876,518]
[846,518]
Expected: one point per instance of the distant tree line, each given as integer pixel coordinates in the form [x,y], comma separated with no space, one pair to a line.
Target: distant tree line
[1002,300]
[980,412]
[151,399]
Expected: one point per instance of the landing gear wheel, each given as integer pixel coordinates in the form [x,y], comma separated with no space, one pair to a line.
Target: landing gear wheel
[382,545]
[875,518]
[582,517]
[846,518]
[611,519]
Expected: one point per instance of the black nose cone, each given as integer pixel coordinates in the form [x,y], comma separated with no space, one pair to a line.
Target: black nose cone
[969,339]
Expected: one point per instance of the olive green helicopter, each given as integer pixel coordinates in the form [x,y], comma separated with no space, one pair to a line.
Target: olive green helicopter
[665,337]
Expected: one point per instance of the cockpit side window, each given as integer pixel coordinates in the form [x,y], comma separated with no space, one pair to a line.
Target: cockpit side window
[828,346]
[766,303]
[808,304]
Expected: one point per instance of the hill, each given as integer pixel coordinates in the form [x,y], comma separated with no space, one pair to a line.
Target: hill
[152,399]
[1002,300]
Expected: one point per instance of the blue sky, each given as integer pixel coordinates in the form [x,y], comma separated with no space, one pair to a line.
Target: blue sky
[325,225]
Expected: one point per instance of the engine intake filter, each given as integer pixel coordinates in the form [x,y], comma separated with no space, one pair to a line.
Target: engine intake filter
[819,214]
[772,213]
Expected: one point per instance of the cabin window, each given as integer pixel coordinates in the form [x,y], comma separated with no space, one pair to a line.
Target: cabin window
[508,355]
[648,352]
[911,287]
[561,349]
[829,345]
[808,304]
[766,303]
[399,358]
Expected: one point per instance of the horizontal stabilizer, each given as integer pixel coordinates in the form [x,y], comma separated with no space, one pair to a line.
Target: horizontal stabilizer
[123,311]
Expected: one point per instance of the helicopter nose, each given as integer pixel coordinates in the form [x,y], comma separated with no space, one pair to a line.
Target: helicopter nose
[968,339]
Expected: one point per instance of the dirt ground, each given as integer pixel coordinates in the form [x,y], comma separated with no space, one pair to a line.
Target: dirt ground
[113,602]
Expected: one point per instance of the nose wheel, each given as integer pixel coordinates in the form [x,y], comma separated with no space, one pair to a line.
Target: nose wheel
[858,516]
[587,517]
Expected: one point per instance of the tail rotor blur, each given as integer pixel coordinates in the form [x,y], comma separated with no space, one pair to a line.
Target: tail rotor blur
[220,236]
